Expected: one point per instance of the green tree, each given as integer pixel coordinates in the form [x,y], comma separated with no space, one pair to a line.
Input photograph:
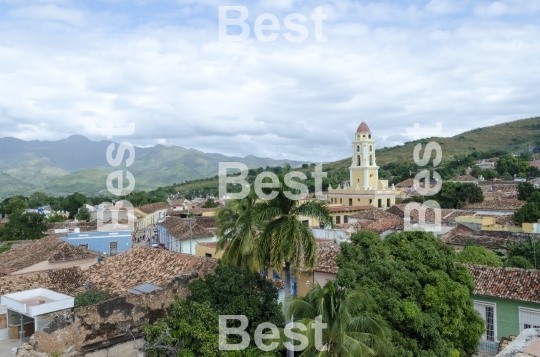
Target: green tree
[190,330]
[525,190]
[15,204]
[528,249]
[472,254]
[284,239]
[458,194]
[72,203]
[236,291]
[518,262]
[210,203]
[83,214]
[236,232]
[351,329]
[23,226]
[529,213]
[418,289]
[37,199]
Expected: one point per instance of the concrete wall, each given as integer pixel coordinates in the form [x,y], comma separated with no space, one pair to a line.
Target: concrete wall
[105,324]
[462,229]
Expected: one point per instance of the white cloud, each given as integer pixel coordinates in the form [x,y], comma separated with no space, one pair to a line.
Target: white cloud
[388,64]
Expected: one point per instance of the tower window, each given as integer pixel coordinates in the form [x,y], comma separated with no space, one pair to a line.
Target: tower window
[369,136]
[358,148]
[370,160]
[358,161]
[371,148]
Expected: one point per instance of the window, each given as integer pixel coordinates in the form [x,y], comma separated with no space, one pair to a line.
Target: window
[528,318]
[358,162]
[370,160]
[113,248]
[208,255]
[341,200]
[338,219]
[305,222]
[369,136]
[358,148]
[379,203]
[487,311]
[83,245]
[350,201]
[387,202]
[345,219]
[371,148]
[370,201]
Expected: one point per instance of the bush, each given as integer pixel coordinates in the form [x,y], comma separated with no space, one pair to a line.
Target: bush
[91,297]
[518,262]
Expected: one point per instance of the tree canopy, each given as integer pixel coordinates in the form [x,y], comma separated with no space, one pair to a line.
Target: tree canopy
[418,289]
[472,254]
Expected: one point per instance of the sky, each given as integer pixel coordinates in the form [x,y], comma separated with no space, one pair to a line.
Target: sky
[71,67]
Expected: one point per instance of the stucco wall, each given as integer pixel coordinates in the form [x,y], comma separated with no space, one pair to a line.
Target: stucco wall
[102,325]
[507,312]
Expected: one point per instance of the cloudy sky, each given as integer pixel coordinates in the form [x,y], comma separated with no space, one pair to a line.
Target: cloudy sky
[69,67]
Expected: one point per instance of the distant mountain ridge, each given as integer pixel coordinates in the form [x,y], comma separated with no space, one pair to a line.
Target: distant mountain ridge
[79,164]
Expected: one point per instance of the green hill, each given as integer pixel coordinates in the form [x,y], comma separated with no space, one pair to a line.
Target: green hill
[513,137]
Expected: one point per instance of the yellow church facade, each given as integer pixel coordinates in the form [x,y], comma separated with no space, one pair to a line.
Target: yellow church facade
[364,187]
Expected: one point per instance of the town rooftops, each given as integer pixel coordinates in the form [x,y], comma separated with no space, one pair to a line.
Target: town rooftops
[327,251]
[141,265]
[179,229]
[153,207]
[373,213]
[464,178]
[506,283]
[64,281]
[497,204]
[27,253]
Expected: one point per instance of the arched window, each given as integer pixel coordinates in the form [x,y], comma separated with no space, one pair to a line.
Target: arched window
[370,160]
[358,162]
[357,148]
[371,148]
[369,136]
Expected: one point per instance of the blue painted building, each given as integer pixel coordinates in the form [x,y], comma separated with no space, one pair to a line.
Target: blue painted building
[107,242]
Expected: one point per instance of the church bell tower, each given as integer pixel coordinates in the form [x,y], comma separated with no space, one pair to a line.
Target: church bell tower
[364,172]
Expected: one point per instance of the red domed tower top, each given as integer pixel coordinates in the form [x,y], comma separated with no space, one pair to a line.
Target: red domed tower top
[363,128]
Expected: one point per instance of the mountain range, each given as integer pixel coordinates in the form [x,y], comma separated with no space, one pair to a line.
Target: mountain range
[77,164]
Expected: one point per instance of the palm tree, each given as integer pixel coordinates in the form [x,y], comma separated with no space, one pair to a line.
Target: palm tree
[350,329]
[284,239]
[236,232]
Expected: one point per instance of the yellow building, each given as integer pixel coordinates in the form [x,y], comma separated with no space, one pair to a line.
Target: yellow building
[364,187]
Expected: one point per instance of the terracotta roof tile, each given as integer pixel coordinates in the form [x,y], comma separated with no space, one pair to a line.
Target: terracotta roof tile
[464,178]
[327,252]
[153,207]
[506,283]
[497,204]
[142,264]
[64,281]
[373,213]
[347,208]
[27,253]
[179,229]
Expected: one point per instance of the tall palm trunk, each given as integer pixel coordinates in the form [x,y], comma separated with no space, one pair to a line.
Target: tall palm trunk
[288,298]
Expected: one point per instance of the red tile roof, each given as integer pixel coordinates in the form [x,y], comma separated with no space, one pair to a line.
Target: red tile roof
[153,207]
[347,208]
[144,265]
[64,281]
[506,283]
